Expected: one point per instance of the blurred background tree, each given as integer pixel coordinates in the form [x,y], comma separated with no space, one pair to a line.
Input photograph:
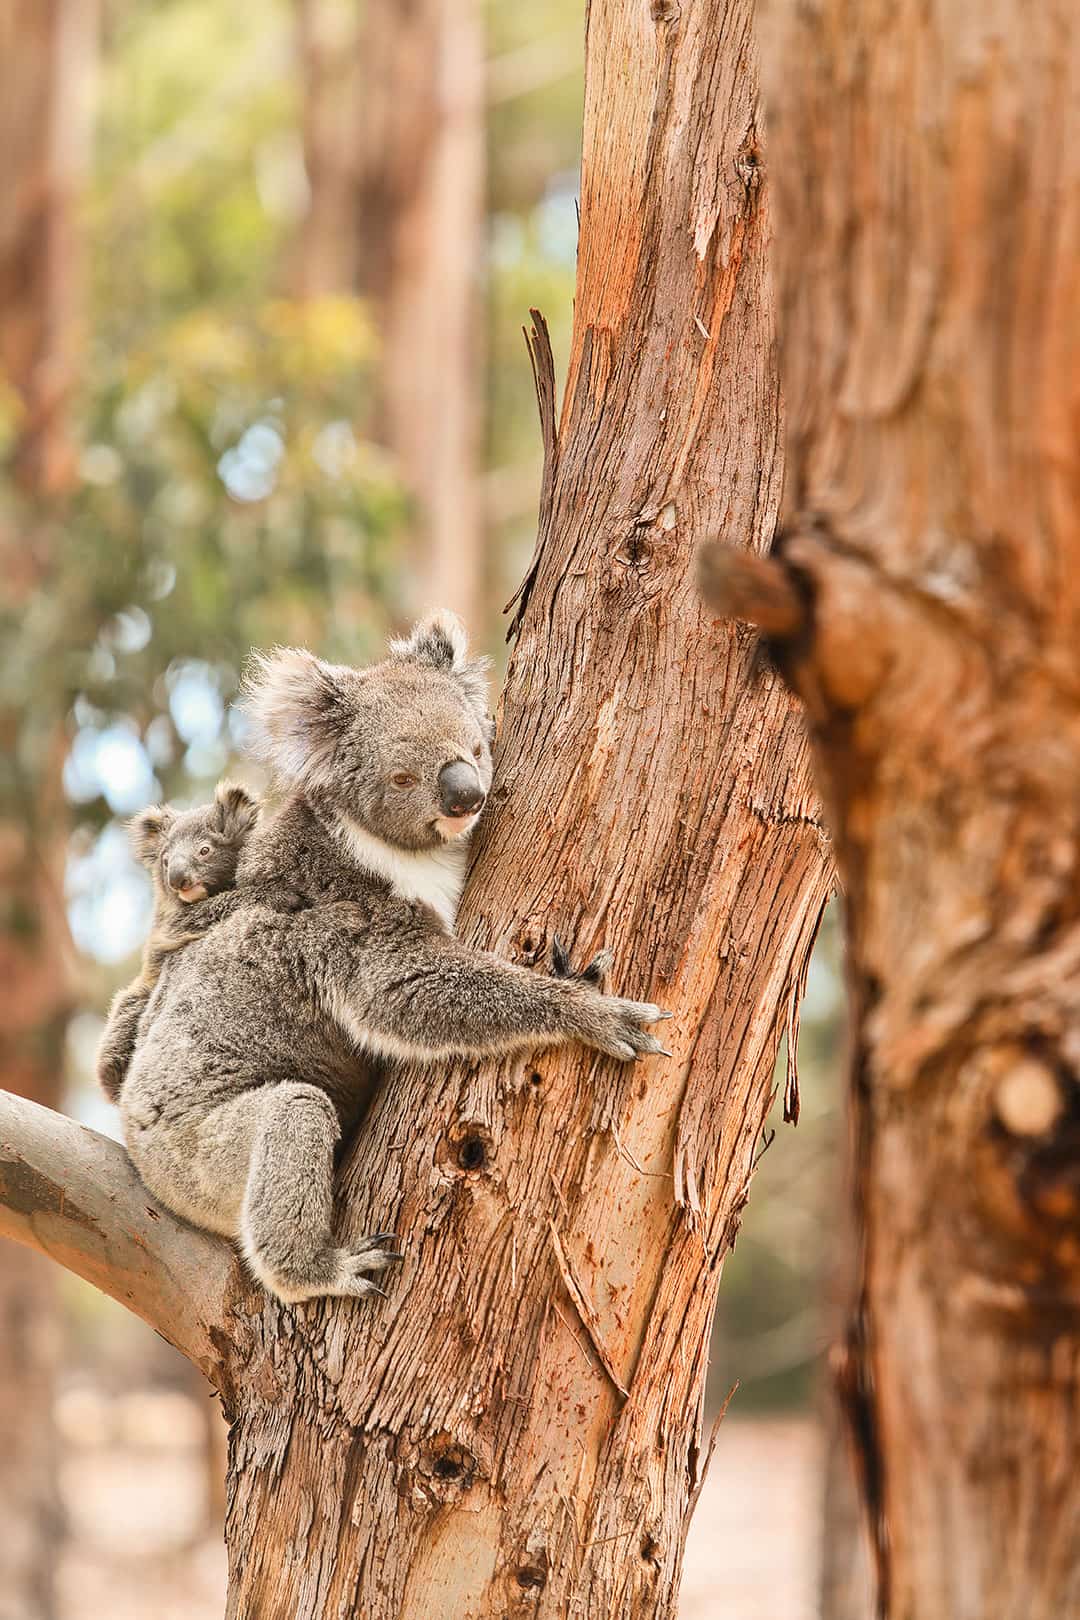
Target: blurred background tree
[47,57]
[280,395]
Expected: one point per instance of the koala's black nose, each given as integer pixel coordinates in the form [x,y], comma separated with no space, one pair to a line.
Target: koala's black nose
[460,792]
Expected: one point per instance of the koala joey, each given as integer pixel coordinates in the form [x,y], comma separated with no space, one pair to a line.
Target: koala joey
[191,855]
[246,1069]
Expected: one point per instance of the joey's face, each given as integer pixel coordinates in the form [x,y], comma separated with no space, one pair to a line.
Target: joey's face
[401,749]
[196,859]
[194,853]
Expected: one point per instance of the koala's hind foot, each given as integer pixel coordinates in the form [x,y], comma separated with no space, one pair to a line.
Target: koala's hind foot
[286,1221]
[344,1273]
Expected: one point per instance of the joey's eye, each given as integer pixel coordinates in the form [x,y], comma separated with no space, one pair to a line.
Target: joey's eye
[402,779]
[478,750]
[204,849]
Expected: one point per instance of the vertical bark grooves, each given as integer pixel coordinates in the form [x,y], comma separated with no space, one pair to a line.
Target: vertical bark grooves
[928,169]
[516,1431]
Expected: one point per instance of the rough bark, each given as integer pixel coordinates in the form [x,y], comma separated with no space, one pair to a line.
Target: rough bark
[394,147]
[928,162]
[45,49]
[516,1430]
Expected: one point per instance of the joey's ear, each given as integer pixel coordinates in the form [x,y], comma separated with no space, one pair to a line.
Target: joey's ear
[299,707]
[147,830]
[235,811]
[439,640]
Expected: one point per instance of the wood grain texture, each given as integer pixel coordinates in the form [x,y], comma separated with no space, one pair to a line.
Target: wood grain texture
[517,1429]
[927,162]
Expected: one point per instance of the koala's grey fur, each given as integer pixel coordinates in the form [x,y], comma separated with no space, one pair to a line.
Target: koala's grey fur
[245,1070]
[192,856]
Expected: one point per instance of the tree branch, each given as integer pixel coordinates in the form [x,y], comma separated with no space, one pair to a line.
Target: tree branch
[73,1195]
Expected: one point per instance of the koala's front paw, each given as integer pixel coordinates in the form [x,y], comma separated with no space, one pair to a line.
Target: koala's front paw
[616,1027]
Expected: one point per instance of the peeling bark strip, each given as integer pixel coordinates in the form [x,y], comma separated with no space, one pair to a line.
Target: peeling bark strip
[927,244]
[466,1448]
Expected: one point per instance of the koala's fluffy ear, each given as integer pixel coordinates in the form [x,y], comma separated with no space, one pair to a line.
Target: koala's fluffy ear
[439,640]
[298,707]
[235,811]
[147,831]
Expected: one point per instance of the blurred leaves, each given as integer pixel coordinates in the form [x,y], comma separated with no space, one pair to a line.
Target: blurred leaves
[225,500]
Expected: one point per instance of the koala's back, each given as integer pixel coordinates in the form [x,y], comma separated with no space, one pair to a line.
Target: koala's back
[237,1009]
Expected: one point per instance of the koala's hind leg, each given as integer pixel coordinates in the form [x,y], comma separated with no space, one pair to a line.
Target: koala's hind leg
[286,1218]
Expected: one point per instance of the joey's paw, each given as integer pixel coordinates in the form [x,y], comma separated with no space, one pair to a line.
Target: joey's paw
[618,1028]
[593,972]
[355,1265]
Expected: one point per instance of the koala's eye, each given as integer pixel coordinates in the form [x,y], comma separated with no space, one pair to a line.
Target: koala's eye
[204,849]
[478,750]
[402,779]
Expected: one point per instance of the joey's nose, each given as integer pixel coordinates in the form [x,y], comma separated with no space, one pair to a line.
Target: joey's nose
[178,875]
[460,793]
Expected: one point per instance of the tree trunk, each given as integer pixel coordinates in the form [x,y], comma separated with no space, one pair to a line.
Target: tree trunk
[45,47]
[516,1430]
[394,146]
[927,244]
[847,1591]
[329,64]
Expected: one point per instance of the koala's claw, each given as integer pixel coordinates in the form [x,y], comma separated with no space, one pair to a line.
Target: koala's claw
[370,1255]
[617,1027]
[592,973]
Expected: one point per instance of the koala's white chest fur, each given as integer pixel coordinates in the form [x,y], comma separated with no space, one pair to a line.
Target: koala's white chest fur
[434,876]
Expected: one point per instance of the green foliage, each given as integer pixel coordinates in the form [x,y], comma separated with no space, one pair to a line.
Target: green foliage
[227,495]
[225,501]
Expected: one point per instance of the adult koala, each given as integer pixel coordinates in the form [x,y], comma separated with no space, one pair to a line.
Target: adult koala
[246,1066]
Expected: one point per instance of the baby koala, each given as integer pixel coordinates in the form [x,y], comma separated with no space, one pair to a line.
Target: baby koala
[192,857]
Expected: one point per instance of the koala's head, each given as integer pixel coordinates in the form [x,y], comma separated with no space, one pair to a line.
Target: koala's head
[193,853]
[403,748]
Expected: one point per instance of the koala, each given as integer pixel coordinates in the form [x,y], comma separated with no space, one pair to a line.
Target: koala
[248,1063]
[191,855]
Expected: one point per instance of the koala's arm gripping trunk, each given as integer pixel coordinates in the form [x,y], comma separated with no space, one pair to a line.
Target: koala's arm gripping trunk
[416,992]
[74,1195]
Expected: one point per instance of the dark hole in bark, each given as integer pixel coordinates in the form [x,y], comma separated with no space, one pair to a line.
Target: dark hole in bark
[535,1079]
[530,1579]
[447,1468]
[649,1549]
[472,1154]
